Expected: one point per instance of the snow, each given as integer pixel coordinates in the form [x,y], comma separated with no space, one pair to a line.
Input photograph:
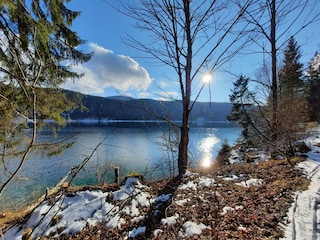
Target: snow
[170,220]
[203,181]
[182,201]
[235,156]
[73,213]
[137,231]
[191,228]
[115,222]
[232,178]
[253,182]
[163,198]
[304,214]
[132,184]
[228,209]
[189,185]
[70,213]
[90,207]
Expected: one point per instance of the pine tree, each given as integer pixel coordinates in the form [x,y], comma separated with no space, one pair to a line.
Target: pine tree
[313,81]
[290,77]
[292,104]
[39,35]
[37,50]
[241,106]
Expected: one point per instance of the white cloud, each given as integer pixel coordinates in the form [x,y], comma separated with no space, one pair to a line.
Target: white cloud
[106,69]
[162,84]
[160,95]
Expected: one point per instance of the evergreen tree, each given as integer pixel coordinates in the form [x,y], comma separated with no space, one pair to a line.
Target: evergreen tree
[292,104]
[313,81]
[36,53]
[290,77]
[241,107]
[37,50]
[39,35]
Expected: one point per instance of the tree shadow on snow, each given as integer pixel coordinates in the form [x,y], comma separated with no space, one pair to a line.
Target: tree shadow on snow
[158,210]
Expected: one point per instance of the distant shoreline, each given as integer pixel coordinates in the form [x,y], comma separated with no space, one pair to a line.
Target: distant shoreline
[137,123]
[104,120]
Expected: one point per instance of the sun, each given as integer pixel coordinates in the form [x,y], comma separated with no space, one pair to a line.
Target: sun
[206,77]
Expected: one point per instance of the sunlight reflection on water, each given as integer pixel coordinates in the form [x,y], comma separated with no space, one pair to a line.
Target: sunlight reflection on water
[134,148]
[206,146]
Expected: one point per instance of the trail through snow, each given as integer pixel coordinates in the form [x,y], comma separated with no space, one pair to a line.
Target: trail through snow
[304,214]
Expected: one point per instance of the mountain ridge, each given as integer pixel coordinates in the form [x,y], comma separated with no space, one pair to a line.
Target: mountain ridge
[127,108]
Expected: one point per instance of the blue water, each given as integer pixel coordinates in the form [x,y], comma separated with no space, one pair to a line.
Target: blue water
[132,147]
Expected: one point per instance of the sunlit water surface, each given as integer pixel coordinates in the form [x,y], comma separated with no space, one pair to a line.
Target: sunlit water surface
[131,147]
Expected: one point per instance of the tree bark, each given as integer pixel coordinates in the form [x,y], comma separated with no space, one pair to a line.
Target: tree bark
[184,140]
[184,137]
[274,87]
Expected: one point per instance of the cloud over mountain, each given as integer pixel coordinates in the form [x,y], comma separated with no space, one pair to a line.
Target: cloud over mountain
[107,69]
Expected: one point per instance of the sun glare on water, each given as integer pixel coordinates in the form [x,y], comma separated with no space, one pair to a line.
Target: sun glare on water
[206,162]
[206,146]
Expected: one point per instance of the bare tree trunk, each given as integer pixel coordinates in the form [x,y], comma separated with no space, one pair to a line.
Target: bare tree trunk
[274,86]
[184,138]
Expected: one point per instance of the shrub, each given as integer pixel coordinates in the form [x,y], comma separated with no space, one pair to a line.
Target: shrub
[224,154]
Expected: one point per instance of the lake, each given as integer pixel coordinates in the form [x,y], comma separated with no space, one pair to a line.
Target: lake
[131,146]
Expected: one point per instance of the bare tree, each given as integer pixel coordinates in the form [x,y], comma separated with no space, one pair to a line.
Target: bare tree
[191,37]
[276,21]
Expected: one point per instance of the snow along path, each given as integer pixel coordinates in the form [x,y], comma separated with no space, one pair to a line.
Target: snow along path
[304,214]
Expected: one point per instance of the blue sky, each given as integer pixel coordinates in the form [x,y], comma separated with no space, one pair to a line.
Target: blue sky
[118,69]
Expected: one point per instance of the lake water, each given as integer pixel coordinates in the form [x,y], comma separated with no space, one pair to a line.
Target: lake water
[133,147]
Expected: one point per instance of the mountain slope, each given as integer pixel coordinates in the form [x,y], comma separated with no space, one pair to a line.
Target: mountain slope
[124,108]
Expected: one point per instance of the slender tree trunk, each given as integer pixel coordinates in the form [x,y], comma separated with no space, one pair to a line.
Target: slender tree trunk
[274,87]
[184,140]
[184,137]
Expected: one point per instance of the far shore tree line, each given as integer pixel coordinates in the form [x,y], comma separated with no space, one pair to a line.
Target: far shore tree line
[192,38]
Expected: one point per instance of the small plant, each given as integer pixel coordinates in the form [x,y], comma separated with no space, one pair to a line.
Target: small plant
[302,147]
[224,154]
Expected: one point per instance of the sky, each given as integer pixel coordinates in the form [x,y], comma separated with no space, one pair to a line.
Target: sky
[118,69]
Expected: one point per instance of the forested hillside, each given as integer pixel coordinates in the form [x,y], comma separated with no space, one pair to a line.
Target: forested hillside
[125,108]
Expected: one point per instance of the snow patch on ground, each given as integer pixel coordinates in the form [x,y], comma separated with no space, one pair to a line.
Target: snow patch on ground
[170,220]
[191,228]
[253,182]
[228,209]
